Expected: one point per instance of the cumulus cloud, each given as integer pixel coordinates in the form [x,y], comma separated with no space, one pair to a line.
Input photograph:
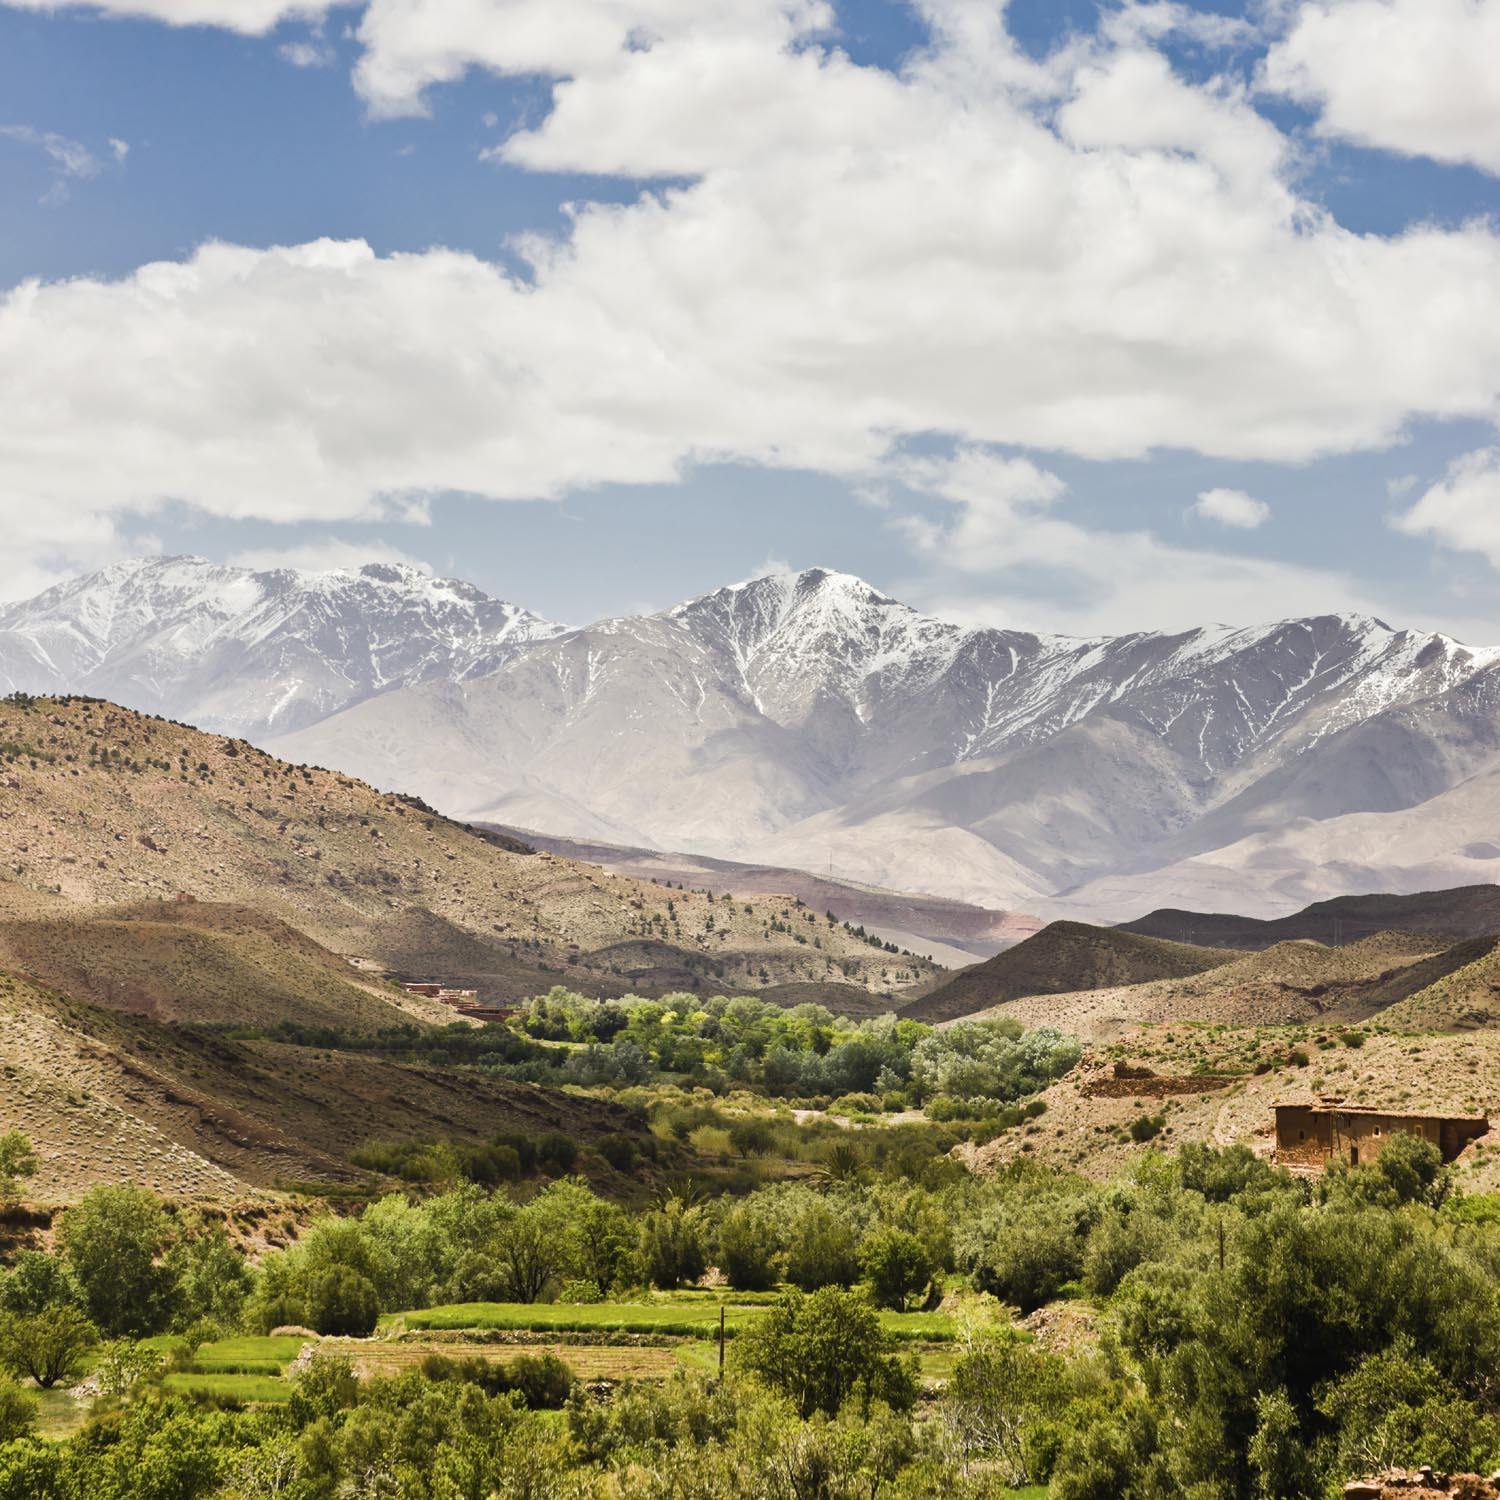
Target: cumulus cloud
[250,17]
[1231,508]
[1005,557]
[1462,510]
[1413,76]
[1090,254]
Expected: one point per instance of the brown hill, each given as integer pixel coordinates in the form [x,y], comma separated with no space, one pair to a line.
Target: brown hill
[928,924]
[1464,911]
[1061,958]
[202,961]
[1292,983]
[111,1097]
[1462,994]
[107,807]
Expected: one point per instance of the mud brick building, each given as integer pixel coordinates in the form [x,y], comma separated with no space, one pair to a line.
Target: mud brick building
[1312,1135]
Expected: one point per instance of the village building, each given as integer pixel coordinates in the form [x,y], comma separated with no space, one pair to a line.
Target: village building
[1312,1135]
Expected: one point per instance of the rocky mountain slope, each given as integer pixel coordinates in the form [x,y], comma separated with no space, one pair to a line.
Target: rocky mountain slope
[807,720]
[1062,957]
[949,932]
[102,806]
[254,652]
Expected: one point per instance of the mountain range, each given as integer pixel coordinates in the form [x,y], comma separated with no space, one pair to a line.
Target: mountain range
[807,720]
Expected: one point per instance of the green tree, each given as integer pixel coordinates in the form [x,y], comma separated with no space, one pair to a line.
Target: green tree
[898,1266]
[17,1162]
[39,1281]
[748,1250]
[671,1244]
[113,1239]
[342,1301]
[47,1346]
[17,1412]
[210,1277]
[825,1349]
[821,1250]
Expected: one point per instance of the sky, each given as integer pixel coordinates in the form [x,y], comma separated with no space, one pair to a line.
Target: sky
[1060,314]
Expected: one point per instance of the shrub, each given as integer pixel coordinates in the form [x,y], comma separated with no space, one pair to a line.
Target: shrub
[618,1150]
[825,1349]
[748,1250]
[557,1153]
[340,1300]
[898,1266]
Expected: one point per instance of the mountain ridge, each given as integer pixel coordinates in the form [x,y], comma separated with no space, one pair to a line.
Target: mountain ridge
[801,718]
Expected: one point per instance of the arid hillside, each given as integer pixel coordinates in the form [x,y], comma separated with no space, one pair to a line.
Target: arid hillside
[1464,911]
[202,962]
[110,1097]
[105,807]
[1063,957]
[1292,983]
[950,931]
[1219,1084]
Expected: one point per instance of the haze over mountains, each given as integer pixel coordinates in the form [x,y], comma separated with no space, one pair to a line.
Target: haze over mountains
[808,720]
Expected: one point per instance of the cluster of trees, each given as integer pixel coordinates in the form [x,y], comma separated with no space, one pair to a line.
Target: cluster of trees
[1258,1336]
[803,1052]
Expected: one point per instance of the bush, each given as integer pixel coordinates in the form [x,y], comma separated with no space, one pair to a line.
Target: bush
[748,1250]
[1146,1128]
[557,1153]
[898,1266]
[618,1150]
[340,1300]
[825,1349]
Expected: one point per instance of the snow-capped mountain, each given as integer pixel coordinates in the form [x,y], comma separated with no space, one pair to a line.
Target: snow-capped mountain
[809,720]
[254,653]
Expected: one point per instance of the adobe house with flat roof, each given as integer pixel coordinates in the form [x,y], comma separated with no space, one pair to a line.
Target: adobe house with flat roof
[1312,1135]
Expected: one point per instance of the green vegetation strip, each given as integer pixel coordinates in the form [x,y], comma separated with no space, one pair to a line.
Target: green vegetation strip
[678,1320]
[231,1387]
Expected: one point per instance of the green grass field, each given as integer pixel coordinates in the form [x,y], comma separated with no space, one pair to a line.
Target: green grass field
[675,1319]
[234,1387]
[248,1356]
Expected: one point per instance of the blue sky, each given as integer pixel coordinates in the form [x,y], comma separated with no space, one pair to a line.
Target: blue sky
[976,301]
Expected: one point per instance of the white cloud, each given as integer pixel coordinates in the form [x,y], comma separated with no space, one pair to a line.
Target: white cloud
[1462,510]
[250,17]
[308,54]
[856,256]
[1005,558]
[323,554]
[1413,76]
[70,160]
[120,149]
[1231,508]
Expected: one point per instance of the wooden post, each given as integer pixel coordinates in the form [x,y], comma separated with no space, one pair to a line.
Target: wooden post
[721,1341]
[1221,1244]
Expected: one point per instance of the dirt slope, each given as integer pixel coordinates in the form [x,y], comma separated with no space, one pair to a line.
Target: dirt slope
[1292,983]
[931,920]
[110,1097]
[1061,958]
[204,961]
[1463,995]
[104,806]
[1462,912]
